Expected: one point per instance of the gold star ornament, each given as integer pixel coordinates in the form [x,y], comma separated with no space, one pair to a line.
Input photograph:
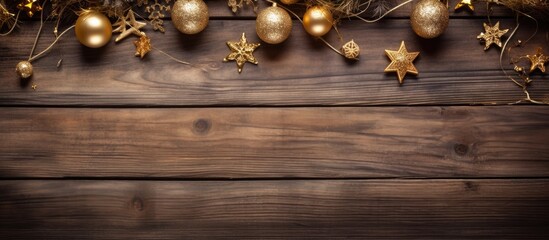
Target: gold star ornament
[538,61]
[465,3]
[124,22]
[241,52]
[142,46]
[491,35]
[29,6]
[401,62]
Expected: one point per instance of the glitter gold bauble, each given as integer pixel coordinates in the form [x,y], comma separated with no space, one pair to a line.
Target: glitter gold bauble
[190,16]
[318,21]
[273,25]
[93,29]
[24,69]
[429,18]
[289,2]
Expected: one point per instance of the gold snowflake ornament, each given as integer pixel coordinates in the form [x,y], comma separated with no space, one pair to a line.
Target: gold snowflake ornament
[235,5]
[156,10]
[491,35]
[242,52]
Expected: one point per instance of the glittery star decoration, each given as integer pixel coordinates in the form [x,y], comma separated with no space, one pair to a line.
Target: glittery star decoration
[401,62]
[142,46]
[491,35]
[538,61]
[465,3]
[242,52]
[29,6]
[130,21]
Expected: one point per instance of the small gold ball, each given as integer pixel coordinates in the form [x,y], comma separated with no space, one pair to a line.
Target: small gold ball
[190,16]
[273,25]
[93,29]
[429,18]
[289,2]
[24,69]
[318,21]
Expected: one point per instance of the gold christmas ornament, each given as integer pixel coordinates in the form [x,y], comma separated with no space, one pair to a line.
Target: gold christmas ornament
[242,52]
[142,46]
[318,21]
[351,50]
[491,35]
[93,29]
[538,61]
[401,62]
[465,3]
[289,2]
[128,21]
[24,69]
[273,25]
[429,18]
[29,6]
[156,10]
[235,5]
[190,16]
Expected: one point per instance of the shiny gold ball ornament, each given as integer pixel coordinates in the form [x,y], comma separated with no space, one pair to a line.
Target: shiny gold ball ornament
[429,18]
[190,16]
[289,2]
[318,21]
[93,29]
[273,25]
[24,69]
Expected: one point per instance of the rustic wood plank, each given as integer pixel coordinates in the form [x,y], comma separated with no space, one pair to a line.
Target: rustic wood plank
[453,70]
[411,142]
[381,209]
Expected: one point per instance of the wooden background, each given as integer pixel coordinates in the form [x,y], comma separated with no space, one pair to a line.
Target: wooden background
[304,145]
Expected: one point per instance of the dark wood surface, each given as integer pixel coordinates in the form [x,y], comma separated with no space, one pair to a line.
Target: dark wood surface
[304,145]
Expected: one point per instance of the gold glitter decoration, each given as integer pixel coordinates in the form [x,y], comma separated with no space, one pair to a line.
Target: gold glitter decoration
[190,16]
[5,15]
[273,25]
[351,50]
[24,69]
[30,7]
[130,21]
[93,29]
[465,3]
[538,61]
[491,35]
[401,62]
[429,18]
[34,87]
[242,52]
[235,5]
[156,12]
[142,46]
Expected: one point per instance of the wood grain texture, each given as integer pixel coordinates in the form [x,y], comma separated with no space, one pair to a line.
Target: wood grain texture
[302,71]
[380,209]
[439,142]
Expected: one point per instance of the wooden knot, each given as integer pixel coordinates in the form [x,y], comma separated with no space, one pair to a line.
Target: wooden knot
[201,126]
[461,149]
[137,204]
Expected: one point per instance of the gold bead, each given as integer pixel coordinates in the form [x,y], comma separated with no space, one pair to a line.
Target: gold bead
[24,69]
[93,29]
[429,18]
[318,21]
[289,2]
[351,50]
[190,16]
[273,25]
